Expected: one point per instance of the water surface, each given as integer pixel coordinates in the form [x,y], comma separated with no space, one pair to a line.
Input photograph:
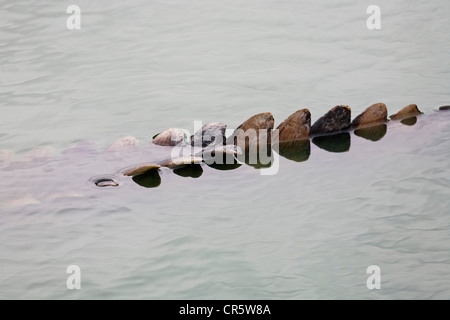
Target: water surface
[140,67]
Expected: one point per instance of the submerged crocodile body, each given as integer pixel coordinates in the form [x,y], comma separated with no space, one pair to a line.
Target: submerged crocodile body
[291,138]
[64,176]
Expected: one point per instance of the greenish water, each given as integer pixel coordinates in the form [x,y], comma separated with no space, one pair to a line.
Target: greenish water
[309,231]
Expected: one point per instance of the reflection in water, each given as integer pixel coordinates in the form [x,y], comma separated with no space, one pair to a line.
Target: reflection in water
[230,165]
[334,143]
[297,151]
[189,171]
[374,133]
[151,179]
[409,121]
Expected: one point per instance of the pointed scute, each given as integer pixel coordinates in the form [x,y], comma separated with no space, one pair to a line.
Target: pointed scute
[171,137]
[183,161]
[210,134]
[124,143]
[336,119]
[140,170]
[248,133]
[375,114]
[259,121]
[408,111]
[296,127]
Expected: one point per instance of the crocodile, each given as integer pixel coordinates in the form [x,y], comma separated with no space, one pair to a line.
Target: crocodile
[173,150]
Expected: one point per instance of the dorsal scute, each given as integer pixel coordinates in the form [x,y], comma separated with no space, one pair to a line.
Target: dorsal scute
[212,133]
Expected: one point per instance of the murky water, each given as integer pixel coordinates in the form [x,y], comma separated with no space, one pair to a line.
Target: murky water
[309,231]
